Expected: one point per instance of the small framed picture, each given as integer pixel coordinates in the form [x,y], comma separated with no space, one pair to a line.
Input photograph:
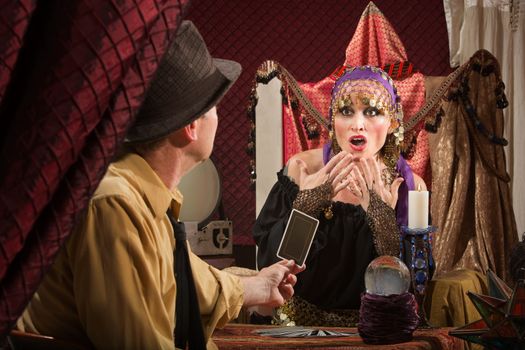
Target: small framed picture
[298,237]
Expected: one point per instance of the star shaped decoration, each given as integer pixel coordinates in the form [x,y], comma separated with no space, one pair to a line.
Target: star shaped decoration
[502,325]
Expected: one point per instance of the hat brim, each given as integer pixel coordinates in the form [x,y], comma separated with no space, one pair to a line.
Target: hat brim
[225,75]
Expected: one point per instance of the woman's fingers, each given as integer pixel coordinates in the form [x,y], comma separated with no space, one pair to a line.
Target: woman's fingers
[334,168]
[379,186]
[326,173]
[360,181]
[334,161]
[342,184]
[369,178]
[361,189]
[340,181]
[394,188]
[354,187]
[365,198]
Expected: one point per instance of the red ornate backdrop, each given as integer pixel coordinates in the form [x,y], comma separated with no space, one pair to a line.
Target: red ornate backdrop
[309,38]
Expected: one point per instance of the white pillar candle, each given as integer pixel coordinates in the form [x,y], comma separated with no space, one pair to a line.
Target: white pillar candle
[417,209]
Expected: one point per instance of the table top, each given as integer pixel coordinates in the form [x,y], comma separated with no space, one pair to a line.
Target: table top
[242,336]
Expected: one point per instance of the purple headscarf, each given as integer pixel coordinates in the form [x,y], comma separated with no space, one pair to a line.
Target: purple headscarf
[402,167]
[368,73]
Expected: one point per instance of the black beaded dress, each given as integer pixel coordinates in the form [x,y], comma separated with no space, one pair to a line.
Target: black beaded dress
[341,250]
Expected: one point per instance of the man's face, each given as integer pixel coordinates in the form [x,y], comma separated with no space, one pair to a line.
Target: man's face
[208,128]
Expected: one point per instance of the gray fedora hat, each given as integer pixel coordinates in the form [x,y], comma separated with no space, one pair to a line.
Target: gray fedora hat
[187,84]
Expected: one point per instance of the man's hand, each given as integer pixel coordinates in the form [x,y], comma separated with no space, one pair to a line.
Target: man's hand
[273,285]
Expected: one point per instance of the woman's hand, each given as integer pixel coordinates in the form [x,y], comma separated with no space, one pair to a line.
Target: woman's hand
[336,172]
[367,176]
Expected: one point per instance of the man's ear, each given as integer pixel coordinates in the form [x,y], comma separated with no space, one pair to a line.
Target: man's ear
[190,130]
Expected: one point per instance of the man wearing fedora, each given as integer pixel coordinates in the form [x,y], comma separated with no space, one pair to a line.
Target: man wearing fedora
[117,283]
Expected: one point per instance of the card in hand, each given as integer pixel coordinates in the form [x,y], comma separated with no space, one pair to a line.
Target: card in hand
[298,237]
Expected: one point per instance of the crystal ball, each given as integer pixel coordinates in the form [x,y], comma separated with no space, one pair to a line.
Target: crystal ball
[387,275]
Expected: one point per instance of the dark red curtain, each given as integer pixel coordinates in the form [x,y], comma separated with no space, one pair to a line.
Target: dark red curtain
[72,76]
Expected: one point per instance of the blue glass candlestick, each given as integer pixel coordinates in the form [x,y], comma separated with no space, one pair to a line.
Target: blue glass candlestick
[416,253]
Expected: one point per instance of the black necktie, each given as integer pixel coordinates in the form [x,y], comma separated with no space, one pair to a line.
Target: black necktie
[188,330]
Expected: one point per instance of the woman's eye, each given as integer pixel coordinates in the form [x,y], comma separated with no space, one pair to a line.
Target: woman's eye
[372,111]
[346,110]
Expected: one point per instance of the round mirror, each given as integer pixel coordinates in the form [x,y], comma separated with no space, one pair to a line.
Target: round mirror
[201,188]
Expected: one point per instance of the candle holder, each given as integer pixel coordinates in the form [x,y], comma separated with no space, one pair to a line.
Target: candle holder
[416,253]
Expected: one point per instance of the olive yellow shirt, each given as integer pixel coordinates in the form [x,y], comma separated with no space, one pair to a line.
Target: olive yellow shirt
[113,283]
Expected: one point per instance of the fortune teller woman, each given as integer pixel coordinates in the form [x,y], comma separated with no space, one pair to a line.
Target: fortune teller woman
[357,186]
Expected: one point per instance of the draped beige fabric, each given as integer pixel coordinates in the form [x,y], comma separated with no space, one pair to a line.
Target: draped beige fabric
[471,201]
[499,27]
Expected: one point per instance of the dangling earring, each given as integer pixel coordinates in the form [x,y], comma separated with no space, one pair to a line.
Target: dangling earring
[399,135]
[335,146]
[390,153]
[392,147]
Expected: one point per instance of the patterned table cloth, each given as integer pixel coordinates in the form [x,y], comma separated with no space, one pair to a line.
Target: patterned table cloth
[242,336]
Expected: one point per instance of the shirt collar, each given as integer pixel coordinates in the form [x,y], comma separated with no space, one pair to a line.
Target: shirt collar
[155,193]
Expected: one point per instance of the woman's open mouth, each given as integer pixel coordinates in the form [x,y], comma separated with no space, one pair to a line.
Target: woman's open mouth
[358,143]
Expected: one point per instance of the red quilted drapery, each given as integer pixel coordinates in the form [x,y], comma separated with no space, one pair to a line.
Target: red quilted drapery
[72,76]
